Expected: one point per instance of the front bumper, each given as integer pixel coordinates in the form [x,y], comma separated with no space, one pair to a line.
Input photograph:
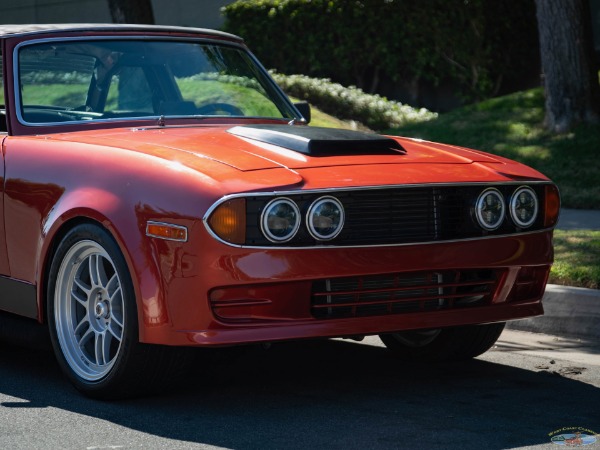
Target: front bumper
[229,296]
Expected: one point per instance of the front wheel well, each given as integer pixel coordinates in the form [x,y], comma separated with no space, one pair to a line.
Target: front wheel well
[47,263]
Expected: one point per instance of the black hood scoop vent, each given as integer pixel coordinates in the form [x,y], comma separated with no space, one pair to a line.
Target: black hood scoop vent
[315,141]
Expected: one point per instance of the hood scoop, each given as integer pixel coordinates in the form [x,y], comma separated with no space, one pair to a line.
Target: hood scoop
[315,141]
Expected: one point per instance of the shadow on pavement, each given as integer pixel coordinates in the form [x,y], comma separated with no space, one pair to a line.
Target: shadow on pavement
[326,394]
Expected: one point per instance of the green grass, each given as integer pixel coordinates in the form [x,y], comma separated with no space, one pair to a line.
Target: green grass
[577,258]
[511,126]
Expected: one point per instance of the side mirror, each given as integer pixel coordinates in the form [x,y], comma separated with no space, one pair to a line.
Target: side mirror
[304,109]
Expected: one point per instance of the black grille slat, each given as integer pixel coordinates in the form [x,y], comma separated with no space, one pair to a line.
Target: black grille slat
[389,216]
[401,293]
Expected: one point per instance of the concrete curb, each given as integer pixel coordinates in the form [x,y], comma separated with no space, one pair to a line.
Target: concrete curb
[568,311]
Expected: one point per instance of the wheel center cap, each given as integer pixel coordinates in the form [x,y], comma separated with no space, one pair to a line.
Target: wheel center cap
[101,310]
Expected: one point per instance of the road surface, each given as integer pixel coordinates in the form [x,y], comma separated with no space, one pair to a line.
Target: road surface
[311,395]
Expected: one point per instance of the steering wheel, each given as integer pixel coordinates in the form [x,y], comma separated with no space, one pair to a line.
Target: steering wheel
[219,109]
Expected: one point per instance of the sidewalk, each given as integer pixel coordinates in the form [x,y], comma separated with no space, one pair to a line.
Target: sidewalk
[569,311]
[579,219]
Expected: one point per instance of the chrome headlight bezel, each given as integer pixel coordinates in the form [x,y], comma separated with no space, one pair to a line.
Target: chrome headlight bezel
[480,209]
[264,220]
[310,218]
[514,206]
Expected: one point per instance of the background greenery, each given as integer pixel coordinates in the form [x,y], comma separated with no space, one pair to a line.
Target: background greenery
[351,103]
[476,44]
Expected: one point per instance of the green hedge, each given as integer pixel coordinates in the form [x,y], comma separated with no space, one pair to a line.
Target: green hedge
[475,44]
[351,103]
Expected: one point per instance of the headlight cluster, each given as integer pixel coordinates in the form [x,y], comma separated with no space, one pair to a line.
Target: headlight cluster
[394,215]
[281,219]
[490,208]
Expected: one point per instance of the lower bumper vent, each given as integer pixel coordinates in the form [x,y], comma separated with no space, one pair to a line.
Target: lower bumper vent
[380,295]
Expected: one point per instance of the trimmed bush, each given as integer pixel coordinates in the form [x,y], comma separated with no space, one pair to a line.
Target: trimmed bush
[351,103]
[477,45]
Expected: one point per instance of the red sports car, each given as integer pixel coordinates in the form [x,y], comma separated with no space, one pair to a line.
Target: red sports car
[160,191]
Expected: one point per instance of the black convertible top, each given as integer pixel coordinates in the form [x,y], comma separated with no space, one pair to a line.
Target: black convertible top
[18,30]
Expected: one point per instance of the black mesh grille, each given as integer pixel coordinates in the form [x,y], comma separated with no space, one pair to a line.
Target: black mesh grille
[401,293]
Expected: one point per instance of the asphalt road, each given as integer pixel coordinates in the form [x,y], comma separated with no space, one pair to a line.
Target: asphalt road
[331,394]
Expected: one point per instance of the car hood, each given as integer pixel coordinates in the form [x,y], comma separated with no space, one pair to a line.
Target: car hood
[246,153]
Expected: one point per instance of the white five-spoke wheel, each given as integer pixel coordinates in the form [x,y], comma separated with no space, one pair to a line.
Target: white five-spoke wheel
[89,310]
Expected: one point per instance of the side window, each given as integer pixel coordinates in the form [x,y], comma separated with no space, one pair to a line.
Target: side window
[50,78]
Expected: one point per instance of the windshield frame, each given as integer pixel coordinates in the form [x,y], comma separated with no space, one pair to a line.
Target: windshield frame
[276,95]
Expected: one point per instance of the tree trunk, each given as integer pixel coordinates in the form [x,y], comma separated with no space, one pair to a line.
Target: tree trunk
[570,75]
[131,11]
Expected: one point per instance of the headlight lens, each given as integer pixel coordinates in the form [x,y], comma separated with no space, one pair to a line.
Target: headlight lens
[280,220]
[490,209]
[524,207]
[325,218]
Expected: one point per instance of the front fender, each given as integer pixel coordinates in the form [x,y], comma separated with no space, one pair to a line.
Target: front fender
[51,185]
[127,226]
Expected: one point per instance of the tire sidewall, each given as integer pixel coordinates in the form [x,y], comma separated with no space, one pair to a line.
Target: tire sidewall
[451,344]
[99,235]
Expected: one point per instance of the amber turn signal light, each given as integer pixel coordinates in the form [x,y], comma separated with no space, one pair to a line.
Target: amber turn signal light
[552,206]
[167,231]
[228,221]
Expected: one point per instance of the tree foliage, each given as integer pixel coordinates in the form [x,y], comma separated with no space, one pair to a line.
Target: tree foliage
[476,44]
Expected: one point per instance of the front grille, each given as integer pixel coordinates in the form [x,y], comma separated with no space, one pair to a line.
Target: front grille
[380,295]
[407,215]
[399,215]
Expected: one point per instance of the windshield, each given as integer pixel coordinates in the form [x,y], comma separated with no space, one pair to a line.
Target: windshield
[96,80]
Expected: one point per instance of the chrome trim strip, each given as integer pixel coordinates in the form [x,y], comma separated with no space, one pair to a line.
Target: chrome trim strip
[333,190]
[339,247]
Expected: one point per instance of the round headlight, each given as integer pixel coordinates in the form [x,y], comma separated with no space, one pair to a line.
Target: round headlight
[490,209]
[280,220]
[325,218]
[524,207]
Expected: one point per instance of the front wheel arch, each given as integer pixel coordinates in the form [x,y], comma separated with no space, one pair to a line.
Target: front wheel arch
[55,240]
[48,252]
[89,290]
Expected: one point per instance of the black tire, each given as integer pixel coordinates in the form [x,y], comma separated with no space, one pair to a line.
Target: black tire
[447,344]
[92,317]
